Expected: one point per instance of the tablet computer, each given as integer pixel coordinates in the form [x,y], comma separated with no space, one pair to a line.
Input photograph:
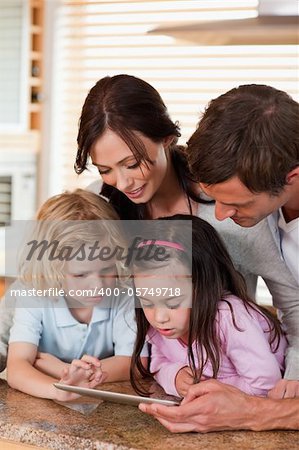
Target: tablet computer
[115,397]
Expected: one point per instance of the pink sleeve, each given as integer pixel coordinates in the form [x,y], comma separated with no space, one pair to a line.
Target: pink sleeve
[165,368]
[257,369]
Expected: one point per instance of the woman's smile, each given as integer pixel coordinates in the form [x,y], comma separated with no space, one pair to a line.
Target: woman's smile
[136,193]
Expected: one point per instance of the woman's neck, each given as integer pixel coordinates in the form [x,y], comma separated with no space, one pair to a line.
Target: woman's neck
[170,198]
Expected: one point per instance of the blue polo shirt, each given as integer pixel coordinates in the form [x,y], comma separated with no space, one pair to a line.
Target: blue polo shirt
[52,328]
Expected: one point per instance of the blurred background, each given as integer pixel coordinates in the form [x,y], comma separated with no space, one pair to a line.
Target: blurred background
[53,51]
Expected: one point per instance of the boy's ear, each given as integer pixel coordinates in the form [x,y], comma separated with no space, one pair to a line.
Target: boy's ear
[293,176]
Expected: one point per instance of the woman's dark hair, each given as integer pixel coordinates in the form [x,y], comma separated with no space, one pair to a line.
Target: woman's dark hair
[214,277]
[126,105]
[123,104]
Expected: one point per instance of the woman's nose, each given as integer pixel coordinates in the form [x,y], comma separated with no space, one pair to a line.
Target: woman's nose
[123,182]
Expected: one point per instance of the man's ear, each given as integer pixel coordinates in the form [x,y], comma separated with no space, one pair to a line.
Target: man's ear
[293,176]
[168,141]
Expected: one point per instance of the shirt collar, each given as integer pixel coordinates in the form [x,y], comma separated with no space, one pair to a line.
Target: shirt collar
[64,318]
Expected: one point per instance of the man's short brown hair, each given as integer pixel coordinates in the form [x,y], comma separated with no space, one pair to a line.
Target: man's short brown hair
[250,132]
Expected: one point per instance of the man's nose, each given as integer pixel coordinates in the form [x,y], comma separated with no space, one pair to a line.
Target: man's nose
[223,212]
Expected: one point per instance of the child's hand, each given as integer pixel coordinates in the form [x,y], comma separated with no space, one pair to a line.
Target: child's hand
[84,372]
[183,380]
[49,364]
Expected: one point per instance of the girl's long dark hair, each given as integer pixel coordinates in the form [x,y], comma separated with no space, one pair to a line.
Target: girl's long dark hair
[214,277]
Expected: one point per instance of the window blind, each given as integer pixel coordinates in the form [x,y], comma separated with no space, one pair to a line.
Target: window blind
[98,38]
[12,61]
[5,200]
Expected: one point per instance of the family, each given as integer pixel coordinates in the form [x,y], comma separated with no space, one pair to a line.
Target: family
[236,183]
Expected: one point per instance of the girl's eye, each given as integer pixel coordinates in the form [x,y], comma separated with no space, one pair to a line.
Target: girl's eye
[145,304]
[78,275]
[134,166]
[176,306]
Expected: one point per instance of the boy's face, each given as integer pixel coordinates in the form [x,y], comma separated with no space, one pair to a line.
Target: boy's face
[166,300]
[85,282]
[233,200]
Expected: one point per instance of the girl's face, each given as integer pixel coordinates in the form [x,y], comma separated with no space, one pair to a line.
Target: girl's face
[166,301]
[118,166]
[85,282]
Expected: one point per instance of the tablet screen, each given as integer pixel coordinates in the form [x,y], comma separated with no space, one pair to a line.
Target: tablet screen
[115,397]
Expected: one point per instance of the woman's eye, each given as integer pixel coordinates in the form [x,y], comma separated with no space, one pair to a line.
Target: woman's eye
[134,166]
[103,172]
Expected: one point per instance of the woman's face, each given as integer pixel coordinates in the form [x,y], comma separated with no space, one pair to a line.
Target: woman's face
[118,166]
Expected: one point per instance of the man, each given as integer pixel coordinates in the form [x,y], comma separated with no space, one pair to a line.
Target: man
[245,155]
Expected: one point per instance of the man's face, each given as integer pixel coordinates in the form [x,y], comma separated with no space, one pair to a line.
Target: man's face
[245,208]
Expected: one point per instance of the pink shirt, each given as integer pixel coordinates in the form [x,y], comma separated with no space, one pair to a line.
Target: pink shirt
[247,360]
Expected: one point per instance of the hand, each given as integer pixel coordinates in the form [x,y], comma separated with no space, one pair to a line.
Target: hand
[49,364]
[84,372]
[183,380]
[208,406]
[285,389]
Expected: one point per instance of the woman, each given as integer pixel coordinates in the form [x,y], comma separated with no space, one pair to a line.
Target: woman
[126,130]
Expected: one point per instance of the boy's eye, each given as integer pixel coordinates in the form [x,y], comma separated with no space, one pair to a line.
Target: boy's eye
[109,271]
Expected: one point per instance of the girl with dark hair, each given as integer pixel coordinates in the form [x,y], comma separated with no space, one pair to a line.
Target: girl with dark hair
[226,336]
[126,130]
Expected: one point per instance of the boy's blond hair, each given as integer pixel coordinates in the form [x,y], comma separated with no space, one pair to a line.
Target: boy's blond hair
[67,220]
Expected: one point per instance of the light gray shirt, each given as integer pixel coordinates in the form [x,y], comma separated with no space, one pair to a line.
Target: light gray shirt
[255,253]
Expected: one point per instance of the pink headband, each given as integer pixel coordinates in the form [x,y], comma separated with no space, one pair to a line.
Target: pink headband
[162,243]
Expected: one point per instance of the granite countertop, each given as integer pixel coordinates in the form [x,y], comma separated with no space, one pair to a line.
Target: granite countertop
[114,427]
